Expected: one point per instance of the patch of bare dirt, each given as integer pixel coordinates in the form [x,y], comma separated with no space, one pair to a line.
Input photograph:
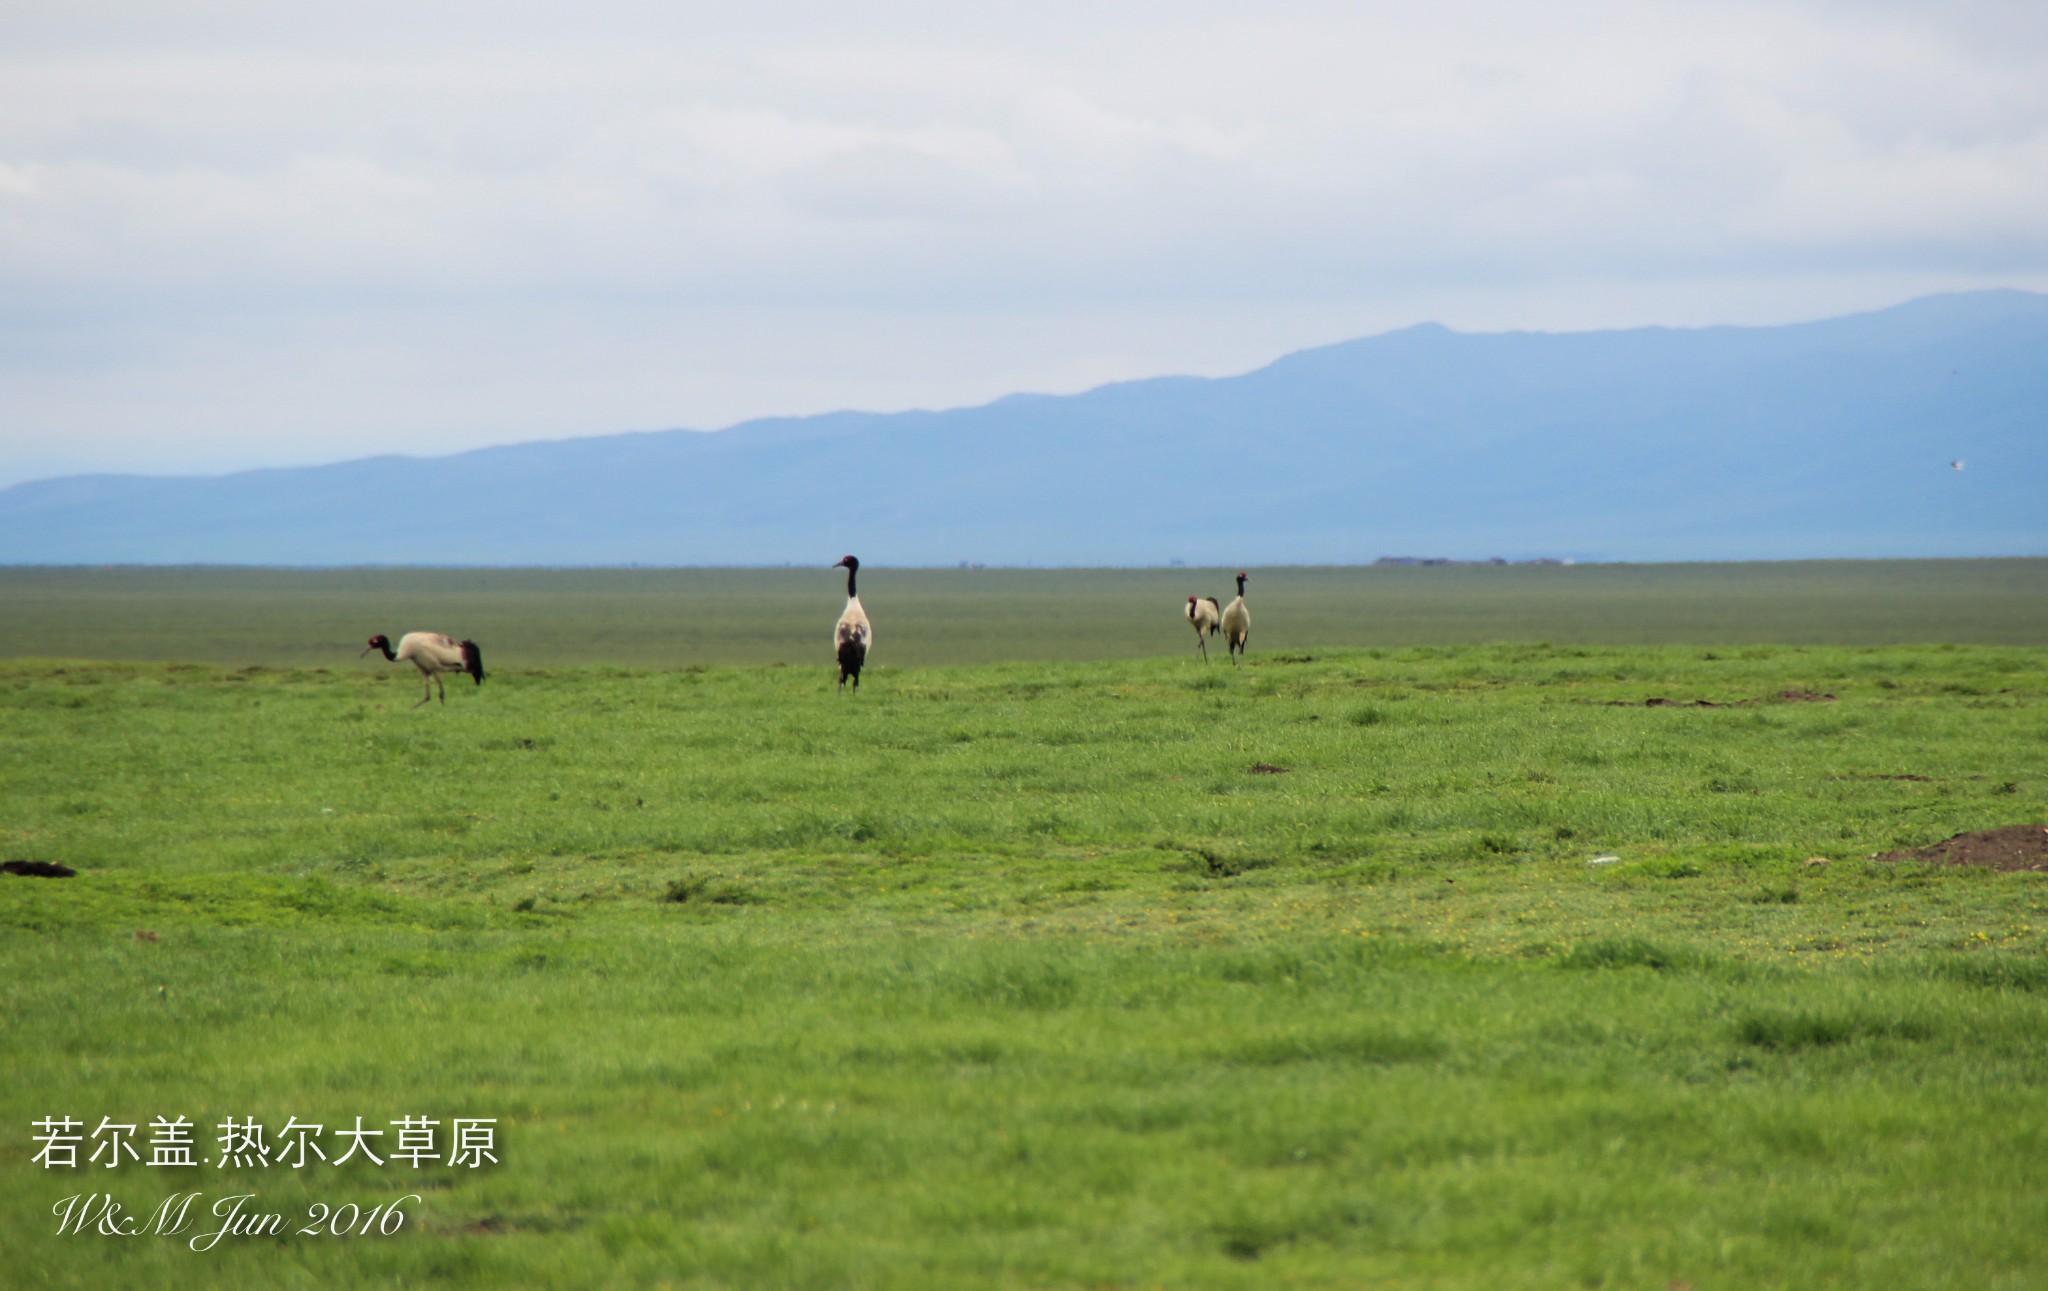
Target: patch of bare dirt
[1267,768]
[38,869]
[1782,697]
[2010,847]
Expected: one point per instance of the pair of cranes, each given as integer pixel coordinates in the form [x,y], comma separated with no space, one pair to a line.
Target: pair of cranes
[853,634]
[435,654]
[1235,619]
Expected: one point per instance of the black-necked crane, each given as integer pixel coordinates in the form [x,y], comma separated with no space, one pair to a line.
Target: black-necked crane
[1203,613]
[853,634]
[433,654]
[1237,622]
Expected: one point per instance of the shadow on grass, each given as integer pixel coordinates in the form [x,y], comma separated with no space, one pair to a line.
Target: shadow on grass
[1363,1046]
[1628,952]
[1789,1032]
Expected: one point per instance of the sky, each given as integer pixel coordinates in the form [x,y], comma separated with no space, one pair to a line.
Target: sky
[238,233]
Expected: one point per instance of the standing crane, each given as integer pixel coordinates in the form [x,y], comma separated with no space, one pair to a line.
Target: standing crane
[1237,622]
[1204,614]
[433,654]
[853,634]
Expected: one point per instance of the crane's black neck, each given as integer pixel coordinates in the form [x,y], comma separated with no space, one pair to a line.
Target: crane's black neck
[1240,587]
[851,570]
[384,644]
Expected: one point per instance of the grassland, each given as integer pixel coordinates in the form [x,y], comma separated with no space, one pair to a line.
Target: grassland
[676,618]
[1042,973]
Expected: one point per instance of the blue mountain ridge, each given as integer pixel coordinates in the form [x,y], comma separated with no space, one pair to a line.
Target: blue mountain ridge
[1824,439]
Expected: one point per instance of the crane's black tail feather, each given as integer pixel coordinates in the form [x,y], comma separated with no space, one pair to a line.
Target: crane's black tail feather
[852,654]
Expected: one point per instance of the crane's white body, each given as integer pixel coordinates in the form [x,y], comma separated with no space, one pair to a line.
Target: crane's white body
[853,629]
[1202,612]
[1237,623]
[431,652]
[853,634]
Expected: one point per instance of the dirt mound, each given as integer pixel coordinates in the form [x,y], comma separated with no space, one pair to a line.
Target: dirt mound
[38,869]
[2011,847]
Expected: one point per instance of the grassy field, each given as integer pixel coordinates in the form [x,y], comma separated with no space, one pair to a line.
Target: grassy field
[1039,973]
[674,618]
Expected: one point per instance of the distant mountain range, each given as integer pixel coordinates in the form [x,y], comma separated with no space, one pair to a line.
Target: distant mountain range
[1828,439]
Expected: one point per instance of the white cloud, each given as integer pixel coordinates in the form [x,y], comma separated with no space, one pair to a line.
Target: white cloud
[231,221]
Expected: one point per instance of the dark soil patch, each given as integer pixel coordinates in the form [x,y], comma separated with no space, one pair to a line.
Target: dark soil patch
[38,869]
[1217,866]
[1782,697]
[2011,847]
[1267,768]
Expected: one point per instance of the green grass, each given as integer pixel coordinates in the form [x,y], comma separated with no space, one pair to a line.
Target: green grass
[1022,975]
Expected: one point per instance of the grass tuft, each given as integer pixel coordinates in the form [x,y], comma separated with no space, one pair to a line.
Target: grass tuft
[1994,972]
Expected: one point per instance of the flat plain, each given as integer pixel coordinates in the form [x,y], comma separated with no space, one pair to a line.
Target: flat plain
[1069,966]
[676,618]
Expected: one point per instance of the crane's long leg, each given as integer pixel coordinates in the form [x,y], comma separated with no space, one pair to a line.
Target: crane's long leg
[441,687]
[426,687]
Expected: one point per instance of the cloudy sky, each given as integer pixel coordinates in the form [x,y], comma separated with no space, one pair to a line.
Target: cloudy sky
[238,233]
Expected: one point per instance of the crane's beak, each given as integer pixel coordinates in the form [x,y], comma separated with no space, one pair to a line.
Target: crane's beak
[366,650]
